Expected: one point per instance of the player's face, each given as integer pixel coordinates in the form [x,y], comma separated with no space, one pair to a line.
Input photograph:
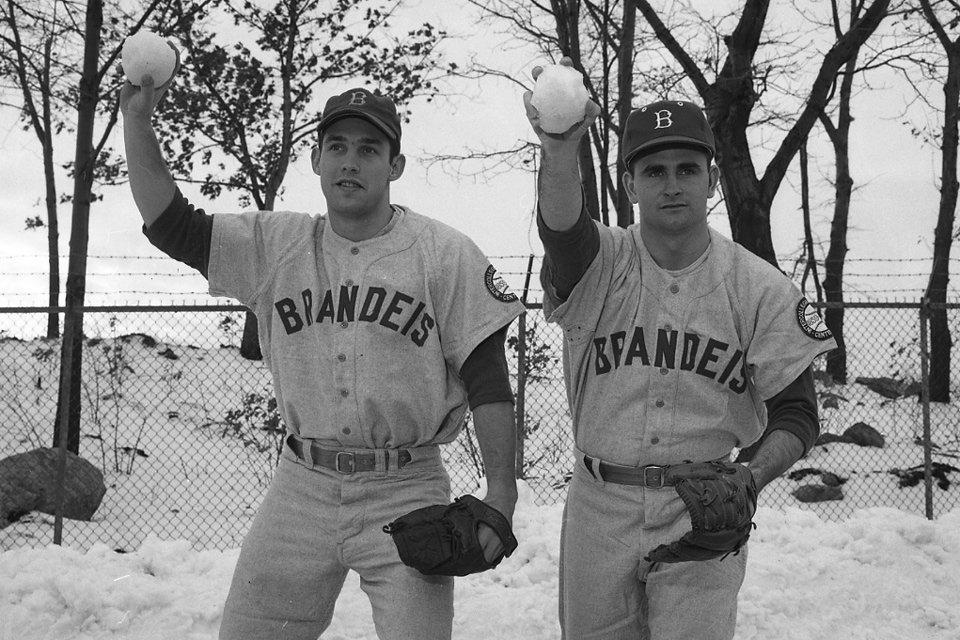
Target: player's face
[353,162]
[671,188]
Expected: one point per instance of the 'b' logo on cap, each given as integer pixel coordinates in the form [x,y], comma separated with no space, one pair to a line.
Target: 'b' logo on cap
[664,120]
[358,98]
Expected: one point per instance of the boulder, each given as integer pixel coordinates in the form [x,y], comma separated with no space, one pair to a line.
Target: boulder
[864,435]
[891,387]
[28,482]
[827,438]
[817,493]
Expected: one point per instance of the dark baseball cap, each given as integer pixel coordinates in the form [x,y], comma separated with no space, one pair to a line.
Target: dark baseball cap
[361,103]
[666,123]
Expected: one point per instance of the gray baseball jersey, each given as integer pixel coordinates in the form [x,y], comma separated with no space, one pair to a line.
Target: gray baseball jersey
[662,366]
[365,340]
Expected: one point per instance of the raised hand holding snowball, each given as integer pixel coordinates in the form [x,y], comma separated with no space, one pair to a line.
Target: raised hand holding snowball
[150,179]
[562,87]
[560,194]
[142,99]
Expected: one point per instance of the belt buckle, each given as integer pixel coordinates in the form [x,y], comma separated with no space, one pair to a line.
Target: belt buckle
[648,475]
[351,462]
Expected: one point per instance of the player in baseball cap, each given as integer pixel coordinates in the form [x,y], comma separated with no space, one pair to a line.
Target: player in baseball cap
[681,346]
[381,328]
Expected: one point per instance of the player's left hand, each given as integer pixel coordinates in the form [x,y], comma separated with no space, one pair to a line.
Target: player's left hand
[492,546]
[445,539]
[721,499]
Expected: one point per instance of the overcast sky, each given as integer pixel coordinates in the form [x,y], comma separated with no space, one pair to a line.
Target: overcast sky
[893,215]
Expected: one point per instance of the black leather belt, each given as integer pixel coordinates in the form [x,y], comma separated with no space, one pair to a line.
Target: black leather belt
[345,462]
[651,476]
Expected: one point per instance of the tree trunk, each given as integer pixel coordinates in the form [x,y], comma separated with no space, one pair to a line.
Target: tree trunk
[72,347]
[53,235]
[625,106]
[837,253]
[50,181]
[941,342]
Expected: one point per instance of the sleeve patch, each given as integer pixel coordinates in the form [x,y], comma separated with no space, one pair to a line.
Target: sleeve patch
[810,321]
[497,286]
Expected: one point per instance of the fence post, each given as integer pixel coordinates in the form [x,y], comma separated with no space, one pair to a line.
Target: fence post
[522,375]
[73,320]
[925,404]
[521,391]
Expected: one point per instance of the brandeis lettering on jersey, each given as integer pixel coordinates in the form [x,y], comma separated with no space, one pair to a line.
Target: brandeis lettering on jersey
[715,360]
[393,310]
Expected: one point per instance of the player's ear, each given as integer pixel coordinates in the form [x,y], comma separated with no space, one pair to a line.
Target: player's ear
[315,160]
[714,180]
[397,166]
[629,186]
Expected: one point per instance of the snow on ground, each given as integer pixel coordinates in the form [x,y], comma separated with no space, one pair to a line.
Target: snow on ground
[881,574]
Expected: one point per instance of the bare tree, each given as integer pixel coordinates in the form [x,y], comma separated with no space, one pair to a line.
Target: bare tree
[942,18]
[839,133]
[93,161]
[33,40]
[600,38]
[40,43]
[245,112]
[676,51]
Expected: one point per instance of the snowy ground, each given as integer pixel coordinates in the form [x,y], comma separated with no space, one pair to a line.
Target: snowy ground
[868,567]
[879,575]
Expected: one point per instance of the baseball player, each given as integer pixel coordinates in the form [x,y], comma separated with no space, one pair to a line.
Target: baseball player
[380,327]
[680,346]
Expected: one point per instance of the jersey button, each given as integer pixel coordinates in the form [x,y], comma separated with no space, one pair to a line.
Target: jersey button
[344,393]
[346,430]
[342,358]
[664,371]
[344,324]
[659,403]
[674,288]
[349,283]
[668,328]
[355,250]
[654,440]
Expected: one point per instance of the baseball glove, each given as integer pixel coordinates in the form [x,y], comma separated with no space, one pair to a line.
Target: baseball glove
[721,499]
[442,539]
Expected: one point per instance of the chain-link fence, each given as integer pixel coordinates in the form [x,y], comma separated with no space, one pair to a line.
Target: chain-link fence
[185,434]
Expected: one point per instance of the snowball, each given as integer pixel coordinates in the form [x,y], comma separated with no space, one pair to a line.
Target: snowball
[560,98]
[145,52]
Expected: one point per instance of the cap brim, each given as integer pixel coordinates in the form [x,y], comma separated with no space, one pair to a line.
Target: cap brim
[666,141]
[353,113]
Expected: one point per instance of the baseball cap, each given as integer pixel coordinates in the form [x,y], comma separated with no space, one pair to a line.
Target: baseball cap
[361,103]
[666,123]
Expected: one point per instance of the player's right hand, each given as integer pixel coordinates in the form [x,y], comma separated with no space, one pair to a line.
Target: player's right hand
[143,100]
[574,133]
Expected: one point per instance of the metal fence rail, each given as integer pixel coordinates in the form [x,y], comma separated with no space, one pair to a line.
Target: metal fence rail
[186,433]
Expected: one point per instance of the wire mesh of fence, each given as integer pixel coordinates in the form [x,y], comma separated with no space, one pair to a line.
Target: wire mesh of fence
[181,433]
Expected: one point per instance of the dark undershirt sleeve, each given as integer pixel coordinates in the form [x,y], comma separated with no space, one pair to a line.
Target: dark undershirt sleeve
[485,373]
[795,410]
[569,253]
[183,233]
